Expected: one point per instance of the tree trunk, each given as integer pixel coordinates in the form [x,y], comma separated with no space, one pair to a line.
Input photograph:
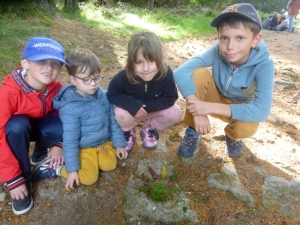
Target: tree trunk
[150,4]
[71,5]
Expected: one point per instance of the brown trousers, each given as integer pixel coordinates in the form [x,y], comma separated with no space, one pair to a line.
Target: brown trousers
[207,91]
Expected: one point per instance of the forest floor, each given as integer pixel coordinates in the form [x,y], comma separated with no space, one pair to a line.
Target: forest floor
[273,146]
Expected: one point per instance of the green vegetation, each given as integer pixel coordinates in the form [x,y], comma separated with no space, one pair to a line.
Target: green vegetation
[124,22]
[160,190]
[173,136]
[23,20]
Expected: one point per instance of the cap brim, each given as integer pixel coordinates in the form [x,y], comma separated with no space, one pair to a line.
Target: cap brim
[215,22]
[45,57]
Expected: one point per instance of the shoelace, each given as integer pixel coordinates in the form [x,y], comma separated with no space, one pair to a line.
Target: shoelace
[153,133]
[189,140]
[127,135]
[234,143]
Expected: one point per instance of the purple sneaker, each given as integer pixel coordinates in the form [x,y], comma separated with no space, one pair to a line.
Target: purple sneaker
[129,137]
[150,136]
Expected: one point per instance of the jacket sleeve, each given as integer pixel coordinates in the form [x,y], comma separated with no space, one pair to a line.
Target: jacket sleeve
[116,95]
[71,137]
[259,109]
[167,98]
[10,171]
[183,75]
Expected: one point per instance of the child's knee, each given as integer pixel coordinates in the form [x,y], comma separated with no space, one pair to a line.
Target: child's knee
[18,124]
[88,179]
[109,166]
[172,115]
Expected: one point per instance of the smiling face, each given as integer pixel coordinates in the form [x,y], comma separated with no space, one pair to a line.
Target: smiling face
[144,68]
[235,43]
[82,88]
[41,73]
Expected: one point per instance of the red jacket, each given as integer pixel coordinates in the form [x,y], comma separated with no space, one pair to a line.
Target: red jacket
[294,8]
[16,97]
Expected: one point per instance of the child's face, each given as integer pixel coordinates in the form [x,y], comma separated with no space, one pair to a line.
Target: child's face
[235,44]
[86,83]
[144,68]
[41,73]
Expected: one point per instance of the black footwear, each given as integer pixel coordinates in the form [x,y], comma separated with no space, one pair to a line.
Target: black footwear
[38,157]
[233,148]
[22,206]
[43,171]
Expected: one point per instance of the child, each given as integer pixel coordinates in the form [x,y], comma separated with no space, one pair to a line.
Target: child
[145,90]
[283,25]
[89,125]
[27,115]
[239,90]
[274,21]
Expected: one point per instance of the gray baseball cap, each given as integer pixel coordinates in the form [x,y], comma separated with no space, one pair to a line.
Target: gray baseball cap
[245,10]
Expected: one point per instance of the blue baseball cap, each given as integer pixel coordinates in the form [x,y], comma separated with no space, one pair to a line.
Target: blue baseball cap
[42,48]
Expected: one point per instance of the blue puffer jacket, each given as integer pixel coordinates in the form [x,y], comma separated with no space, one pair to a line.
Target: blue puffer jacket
[87,122]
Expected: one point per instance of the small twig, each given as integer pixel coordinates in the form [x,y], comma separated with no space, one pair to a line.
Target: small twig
[152,172]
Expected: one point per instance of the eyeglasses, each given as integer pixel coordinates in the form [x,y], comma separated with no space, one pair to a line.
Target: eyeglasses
[88,80]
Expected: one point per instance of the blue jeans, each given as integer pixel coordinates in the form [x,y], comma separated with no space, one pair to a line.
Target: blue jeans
[21,130]
[291,23]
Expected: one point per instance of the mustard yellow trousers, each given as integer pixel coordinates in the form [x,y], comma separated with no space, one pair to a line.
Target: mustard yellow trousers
[207,91]
[91,160]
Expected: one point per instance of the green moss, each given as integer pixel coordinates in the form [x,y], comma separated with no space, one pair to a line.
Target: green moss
[160,190]
[173,136]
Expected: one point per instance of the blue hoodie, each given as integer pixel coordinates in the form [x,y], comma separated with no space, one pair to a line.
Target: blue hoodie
[251,83]
[87,122]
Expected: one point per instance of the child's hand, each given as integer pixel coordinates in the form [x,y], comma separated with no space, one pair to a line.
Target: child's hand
[121,153]
[56,157]
[198,108]
[72,177]
[202,124]
[141,113]
[19,192]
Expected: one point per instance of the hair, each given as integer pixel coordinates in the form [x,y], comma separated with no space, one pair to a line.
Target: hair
[82,60]
[152,49]
[235,22]
[283,17]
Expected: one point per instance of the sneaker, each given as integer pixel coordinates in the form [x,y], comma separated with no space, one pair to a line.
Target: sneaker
[233,148]
[39,157]
[129,137]
[22,206]
[43,171]
[150,136]
[189,143]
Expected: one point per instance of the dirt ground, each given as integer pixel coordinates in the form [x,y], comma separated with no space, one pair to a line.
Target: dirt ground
[274,146]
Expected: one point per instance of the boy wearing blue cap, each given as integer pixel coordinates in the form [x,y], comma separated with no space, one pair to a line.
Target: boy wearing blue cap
[27,114]
[239,90]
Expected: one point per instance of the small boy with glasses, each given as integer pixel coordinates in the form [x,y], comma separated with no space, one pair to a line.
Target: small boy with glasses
[90,130]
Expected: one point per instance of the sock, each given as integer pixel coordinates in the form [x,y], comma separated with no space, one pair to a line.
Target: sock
[58,170]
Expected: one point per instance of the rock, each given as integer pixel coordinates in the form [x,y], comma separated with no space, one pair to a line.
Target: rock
[139,209]
[282,196]
[282,83]
[228,180]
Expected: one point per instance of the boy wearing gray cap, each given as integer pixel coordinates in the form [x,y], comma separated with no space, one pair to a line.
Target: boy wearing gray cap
[27,114]
[239,90]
